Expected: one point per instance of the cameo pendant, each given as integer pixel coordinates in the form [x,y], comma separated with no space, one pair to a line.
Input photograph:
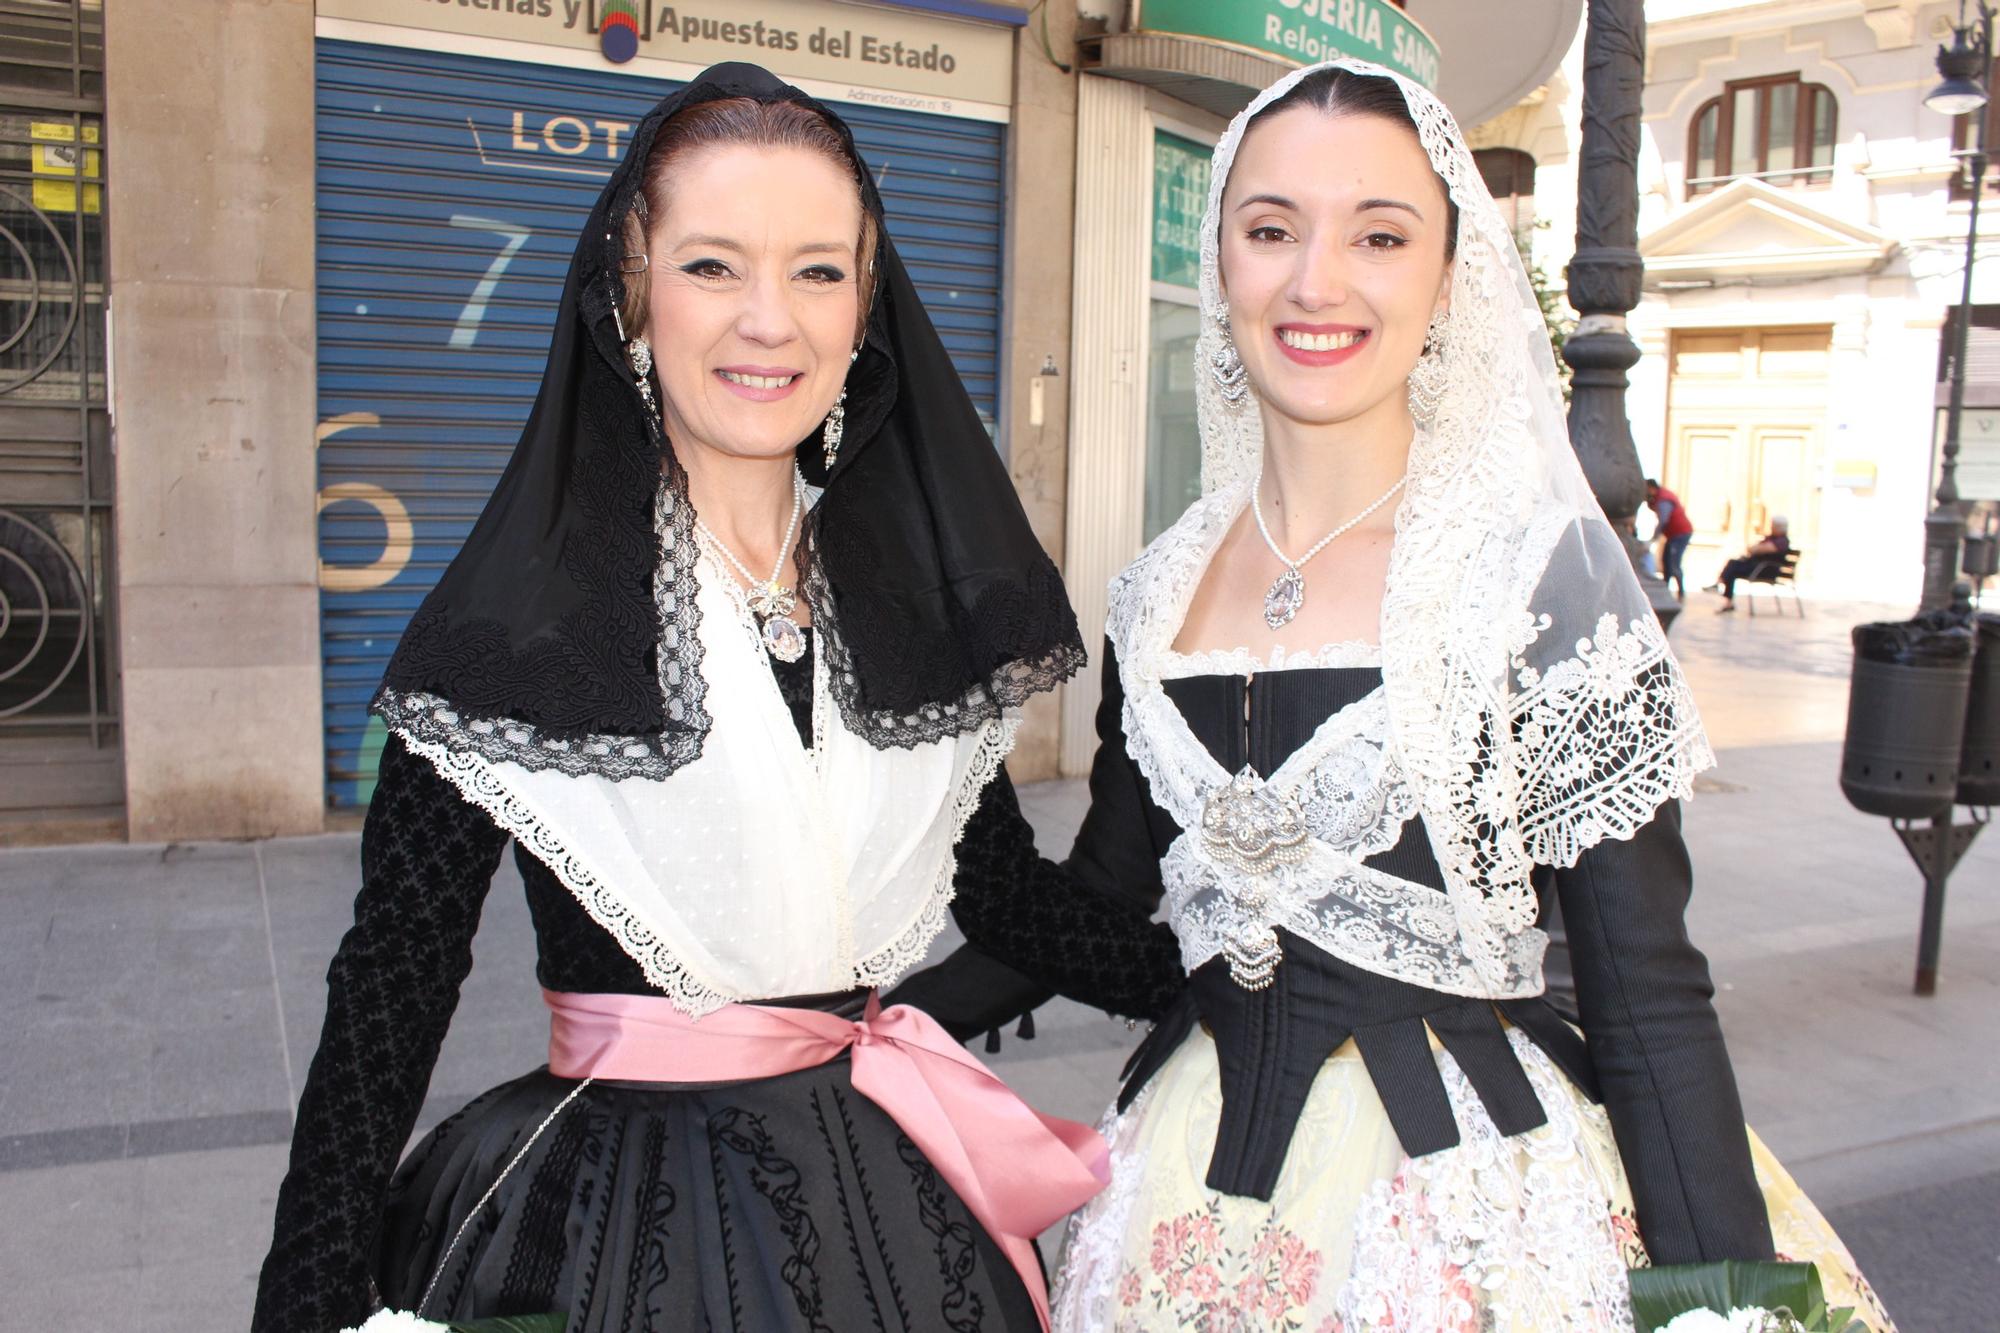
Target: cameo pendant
[1287,594]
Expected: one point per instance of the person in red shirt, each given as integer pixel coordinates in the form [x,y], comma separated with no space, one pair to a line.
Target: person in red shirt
[1674,529]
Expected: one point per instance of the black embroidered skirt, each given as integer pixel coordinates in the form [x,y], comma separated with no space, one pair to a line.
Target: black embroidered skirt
[779,1204]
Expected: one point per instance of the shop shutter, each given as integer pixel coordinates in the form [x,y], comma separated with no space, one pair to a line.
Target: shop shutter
[450,191]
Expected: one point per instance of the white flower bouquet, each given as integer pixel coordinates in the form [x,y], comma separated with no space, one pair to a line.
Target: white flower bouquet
[1735,1297]
[402,1321]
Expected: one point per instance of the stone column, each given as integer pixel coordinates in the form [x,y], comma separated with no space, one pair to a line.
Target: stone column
[209,111]
[1036,369]
[1107,468]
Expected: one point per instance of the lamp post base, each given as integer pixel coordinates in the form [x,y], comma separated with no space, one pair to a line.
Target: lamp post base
[1944,537]
[1936,850]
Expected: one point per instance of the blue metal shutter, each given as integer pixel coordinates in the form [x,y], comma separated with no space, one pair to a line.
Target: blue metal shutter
[442,250]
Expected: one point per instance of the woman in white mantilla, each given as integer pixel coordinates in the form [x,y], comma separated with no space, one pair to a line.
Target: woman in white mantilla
[1387,689]
[732,657]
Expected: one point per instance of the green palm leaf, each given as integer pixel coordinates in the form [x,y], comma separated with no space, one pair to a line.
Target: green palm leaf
[1659,1294]
[513,1323]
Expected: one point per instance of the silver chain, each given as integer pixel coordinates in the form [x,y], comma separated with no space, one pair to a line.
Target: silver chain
[784,546]
[1257,508]
[494,1189]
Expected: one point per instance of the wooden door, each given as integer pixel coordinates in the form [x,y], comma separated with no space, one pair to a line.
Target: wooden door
[1705,462]
[1746,411]
[1782,461]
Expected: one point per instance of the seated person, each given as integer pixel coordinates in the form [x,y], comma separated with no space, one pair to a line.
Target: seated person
[1762,558]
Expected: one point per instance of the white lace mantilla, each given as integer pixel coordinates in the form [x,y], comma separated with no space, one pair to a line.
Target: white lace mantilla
[1533,704]
[760,869]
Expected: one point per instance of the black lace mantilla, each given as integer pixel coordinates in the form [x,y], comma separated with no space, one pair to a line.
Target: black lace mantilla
[574,680]
[1009,687]
[427,718]
[547,625]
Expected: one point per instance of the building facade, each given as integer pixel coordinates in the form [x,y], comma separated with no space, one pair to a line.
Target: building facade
[1803,220]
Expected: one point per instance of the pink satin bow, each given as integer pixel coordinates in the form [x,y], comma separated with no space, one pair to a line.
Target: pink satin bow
[1017,1170]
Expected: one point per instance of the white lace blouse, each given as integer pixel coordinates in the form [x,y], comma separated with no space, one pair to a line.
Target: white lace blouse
[762,868]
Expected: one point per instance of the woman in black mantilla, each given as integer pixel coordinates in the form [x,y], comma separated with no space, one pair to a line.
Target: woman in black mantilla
[730,656]
[1386,688]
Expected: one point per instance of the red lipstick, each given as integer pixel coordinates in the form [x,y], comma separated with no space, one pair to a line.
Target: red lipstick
[1331,356]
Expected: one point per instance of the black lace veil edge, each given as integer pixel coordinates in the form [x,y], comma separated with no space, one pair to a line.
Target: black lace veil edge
[1000,690]
[430,718]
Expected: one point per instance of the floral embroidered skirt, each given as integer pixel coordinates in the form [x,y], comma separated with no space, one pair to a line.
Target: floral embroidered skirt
[1528,1234]
[781,1205]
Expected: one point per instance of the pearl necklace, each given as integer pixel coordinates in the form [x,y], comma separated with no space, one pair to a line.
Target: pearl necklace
[1288,591]
[771,601]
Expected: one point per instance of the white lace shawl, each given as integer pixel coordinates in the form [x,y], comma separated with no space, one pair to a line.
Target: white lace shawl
[759,869]
[1532,700]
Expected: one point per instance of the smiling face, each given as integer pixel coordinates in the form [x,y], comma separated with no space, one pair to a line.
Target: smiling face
[753,303]
[1333,252]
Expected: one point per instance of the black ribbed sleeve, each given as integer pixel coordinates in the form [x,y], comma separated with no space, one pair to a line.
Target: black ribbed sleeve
[427,860]
[1050,923]
[1083,927]
[1646,1000]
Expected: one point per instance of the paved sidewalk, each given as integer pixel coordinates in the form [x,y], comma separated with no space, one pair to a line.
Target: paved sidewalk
[161,1005]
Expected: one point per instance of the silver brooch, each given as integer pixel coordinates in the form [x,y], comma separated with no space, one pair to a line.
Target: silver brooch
[1249,827]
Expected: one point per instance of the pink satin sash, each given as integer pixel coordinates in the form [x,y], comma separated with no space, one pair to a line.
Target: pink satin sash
[1018,1170]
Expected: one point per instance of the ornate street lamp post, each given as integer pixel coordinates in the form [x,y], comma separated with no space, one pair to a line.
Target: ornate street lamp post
[1606,272]
[1605,278]
[1965,65]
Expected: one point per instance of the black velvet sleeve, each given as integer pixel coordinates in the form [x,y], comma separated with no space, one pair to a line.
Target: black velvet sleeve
[1082,928]
[1646,1001]
[427,860]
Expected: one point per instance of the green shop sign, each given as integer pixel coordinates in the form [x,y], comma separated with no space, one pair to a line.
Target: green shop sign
[1180,198]
[1304,31]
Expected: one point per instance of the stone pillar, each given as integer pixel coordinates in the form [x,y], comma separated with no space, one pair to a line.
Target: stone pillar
[210,110]
[1107,469]
[1041,188]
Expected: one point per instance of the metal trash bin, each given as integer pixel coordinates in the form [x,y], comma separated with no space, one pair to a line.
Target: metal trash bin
[1979,760]
[1906,714]
[1981,559]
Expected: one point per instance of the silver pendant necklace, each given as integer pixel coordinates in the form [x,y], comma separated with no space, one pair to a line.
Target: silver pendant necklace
[770,601]
[1288,591]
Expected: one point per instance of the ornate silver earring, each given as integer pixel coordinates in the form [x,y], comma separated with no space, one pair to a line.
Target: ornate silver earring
[836,423]
[836,420]
[640,353]
[1429,377]
[1227,367]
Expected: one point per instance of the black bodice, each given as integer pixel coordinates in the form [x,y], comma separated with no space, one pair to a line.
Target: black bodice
[1270,1043]
[1651,1047]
